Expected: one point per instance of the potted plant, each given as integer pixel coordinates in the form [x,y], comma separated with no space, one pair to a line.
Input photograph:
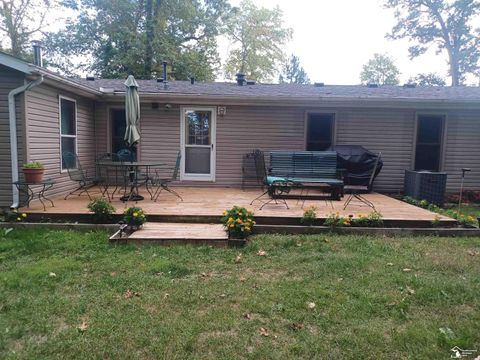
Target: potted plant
[33,172]
[239,223]
[134,217]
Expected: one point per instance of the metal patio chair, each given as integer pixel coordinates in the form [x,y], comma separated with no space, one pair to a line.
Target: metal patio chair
[109,175]
[275,187]
[356,191]
[77,174]
[161,183]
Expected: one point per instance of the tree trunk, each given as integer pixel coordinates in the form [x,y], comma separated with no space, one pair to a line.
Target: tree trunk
[149,39]
[454,71]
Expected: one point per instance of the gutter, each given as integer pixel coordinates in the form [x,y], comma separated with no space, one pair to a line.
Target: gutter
[13,135]
[63,80]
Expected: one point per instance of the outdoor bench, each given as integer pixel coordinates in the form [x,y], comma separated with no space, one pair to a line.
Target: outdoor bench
[306,169]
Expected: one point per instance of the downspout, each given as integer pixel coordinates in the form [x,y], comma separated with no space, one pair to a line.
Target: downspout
[13,134]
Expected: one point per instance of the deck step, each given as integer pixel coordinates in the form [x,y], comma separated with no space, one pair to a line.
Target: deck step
[177,233]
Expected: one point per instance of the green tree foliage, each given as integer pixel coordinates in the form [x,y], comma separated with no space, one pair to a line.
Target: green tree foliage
[293,73]
[448,25]
[429,79]
[258,36]
[134,37]
[20,20]
[380,70]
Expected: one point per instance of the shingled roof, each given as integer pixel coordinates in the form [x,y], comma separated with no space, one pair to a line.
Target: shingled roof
[291,91]
[270,92]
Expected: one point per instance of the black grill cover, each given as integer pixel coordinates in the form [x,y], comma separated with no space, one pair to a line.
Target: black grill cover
[358,163]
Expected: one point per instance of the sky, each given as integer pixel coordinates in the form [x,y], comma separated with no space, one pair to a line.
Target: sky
[334,38]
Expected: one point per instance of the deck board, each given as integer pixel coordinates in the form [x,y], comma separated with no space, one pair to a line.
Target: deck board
[203,201]
[172,231]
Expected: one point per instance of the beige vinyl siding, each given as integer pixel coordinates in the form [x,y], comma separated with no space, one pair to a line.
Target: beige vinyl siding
[462,149]
[9,80]
[43,134]
[390,132]
[244,128]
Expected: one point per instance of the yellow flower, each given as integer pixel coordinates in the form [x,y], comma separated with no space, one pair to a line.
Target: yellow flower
[230,219]
[19,219]
[231,226]
[24,215]
[135,214]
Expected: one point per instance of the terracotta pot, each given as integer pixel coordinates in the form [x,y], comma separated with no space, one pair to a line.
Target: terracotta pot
[33,175]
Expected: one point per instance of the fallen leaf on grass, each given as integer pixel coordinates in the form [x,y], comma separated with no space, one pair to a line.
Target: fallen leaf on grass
[407,270]
[410,290]
[389,264]
[264,332]
[130,293]
[473,253]
[52,274]
[166,295]
[83,326]
[247,316]
[297,326]
[238,259]
[242,279]
[222,295]
[311,305]
[261,253]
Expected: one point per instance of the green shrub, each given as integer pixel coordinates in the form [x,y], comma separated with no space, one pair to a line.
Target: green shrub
[134,216]
[14,216]
[309,216]
[102,210]
[33,165]
[335,220]
[238,221]
[374,219]
[464,220]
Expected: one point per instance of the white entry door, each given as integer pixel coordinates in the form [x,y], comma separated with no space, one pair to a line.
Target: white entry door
[198,143]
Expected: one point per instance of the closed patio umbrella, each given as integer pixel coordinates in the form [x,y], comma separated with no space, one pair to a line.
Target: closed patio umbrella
[132,111]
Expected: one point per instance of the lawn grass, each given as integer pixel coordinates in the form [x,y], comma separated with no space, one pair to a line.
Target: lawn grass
[374,297]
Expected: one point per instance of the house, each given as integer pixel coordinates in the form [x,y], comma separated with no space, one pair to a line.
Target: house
[214,124]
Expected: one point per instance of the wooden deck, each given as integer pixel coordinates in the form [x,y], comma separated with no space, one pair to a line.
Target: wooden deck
[203,204]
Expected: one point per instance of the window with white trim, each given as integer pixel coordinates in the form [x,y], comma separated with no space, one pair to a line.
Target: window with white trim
[68,128]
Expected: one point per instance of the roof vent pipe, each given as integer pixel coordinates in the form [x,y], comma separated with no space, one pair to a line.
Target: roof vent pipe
[164,71]
[37,53]
[240,79]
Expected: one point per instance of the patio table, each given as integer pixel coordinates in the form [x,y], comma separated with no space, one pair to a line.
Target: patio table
[132,168]
[38,188]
